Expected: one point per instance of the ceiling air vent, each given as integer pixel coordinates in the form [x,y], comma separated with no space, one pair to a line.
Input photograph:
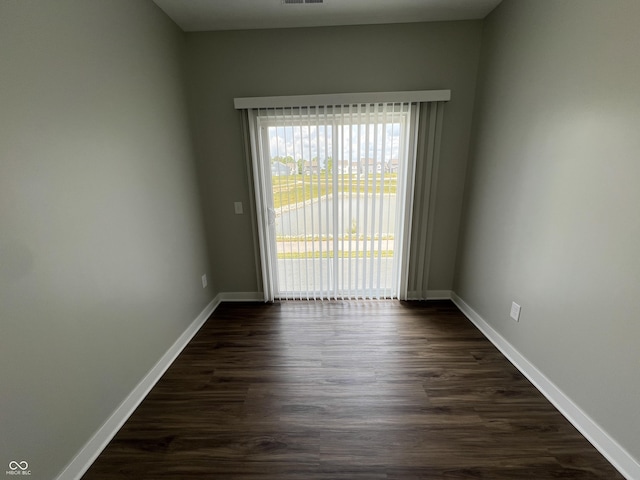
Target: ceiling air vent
[300,2]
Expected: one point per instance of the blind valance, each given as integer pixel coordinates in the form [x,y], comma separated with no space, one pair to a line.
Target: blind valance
[418,96]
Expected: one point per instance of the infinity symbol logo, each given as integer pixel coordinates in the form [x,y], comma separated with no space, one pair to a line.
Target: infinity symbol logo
[23,465]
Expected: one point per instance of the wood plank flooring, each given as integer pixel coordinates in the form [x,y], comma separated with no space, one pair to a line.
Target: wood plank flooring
[345,390]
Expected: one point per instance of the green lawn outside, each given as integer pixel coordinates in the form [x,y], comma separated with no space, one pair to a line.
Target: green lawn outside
[339,254]
[346,236]
[293,189]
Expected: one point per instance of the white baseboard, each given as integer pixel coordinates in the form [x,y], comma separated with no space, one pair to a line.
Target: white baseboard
[430,295]
[241,296]
[438,294]
[599,438]
[88,454]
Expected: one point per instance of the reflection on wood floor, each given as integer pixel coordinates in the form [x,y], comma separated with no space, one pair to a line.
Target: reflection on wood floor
[345,390]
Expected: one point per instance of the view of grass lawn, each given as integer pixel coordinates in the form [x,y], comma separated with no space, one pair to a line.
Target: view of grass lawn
[294,189]
[338,254]
[346,236]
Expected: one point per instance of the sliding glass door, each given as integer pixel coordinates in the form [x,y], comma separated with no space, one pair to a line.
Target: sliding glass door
[334,184]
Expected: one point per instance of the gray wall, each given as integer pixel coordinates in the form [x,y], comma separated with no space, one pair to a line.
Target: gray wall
[101,239]
[224,65]
[551,216]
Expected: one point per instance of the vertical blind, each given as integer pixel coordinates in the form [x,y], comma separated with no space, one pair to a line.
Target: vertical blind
[335,187]
[424,203]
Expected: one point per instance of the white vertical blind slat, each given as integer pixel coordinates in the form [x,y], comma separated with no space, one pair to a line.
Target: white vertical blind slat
[394,278]
[341,273]
[319,288]
[283,154]
[369,236]
[337,182]
[307,129]
[365,203]
[381,260]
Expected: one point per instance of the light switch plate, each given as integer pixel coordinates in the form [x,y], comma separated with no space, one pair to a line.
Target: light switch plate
[515,311]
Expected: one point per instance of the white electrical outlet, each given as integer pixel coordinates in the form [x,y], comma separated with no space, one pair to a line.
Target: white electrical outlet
[515,311]
[238,208]
[204,281]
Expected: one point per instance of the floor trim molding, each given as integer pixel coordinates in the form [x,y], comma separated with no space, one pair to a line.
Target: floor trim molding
[599,438]
[430,295]
[438,294]
[92,449]
[241,296]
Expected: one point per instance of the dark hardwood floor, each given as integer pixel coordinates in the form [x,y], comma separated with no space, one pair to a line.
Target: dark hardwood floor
[345,390]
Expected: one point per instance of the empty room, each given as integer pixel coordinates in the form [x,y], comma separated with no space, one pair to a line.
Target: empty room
[304,239]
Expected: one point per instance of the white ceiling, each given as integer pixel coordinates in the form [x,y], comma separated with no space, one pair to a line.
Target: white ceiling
[203,15]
